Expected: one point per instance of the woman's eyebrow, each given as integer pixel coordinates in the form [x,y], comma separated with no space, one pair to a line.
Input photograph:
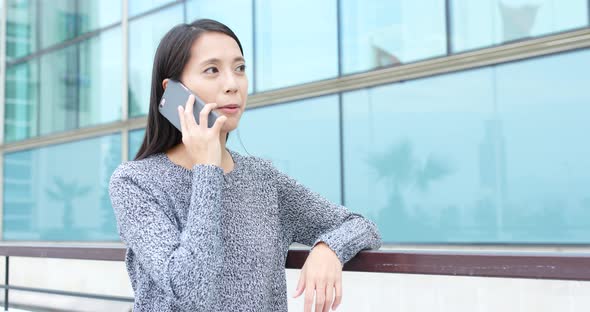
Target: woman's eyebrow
[216,60]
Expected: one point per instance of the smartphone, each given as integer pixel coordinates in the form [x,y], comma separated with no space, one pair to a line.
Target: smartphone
[177,94]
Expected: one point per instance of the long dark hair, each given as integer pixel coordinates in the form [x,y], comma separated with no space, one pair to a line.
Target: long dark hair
[172,55]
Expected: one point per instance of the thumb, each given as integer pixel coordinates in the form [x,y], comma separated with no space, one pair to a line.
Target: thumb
[300,287]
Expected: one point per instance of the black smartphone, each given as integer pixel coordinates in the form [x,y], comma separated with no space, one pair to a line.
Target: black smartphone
[177,94]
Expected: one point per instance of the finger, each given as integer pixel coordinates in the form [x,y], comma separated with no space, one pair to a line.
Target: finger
[309,291]
[204,115]
[329,298]
[300,285]
[338,296]
[190,103]
[183,128]
[189,117]
[219,123]
[320,298]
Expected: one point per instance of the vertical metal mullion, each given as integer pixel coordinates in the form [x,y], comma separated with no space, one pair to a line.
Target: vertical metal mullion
[1,195]
[339,35]
[340,113]
[2,68]
[588,8]
[6,282]
[497,152]
[254,49]
[2,106]
[448,27]
[125,83]
[341,148]
[38,82]
[184,14]
[78,68]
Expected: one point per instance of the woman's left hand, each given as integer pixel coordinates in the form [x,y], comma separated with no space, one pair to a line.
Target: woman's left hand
[322,274]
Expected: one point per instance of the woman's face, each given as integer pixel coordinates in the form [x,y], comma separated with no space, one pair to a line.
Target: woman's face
[216,73]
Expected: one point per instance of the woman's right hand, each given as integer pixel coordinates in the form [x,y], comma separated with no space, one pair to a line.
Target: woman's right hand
[201,142]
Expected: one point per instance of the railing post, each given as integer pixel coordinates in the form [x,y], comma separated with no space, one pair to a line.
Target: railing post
[6,284]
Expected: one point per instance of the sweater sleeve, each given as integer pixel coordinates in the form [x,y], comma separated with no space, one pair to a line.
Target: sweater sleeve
[185,265]
[314,219]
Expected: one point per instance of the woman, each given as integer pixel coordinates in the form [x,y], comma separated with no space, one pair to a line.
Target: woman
[208,229]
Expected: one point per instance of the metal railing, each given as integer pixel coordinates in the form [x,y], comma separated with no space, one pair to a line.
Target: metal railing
[536,265]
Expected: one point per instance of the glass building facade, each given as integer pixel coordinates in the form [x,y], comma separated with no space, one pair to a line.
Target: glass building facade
[490,152]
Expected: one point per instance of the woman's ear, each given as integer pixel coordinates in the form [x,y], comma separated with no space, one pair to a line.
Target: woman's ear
[165,83]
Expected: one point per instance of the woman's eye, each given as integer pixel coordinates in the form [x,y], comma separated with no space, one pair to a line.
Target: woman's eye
[211,70]
[241,68]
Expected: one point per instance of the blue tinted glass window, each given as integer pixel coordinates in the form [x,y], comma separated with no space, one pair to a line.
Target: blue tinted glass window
[477,24]
[145,34]
[140,6]
[135,140]
[60,193]
[488,155]
[301,138]
[379,33]
[21,101]
[74,87]
[543,133]
[296,42]
[36,24]
[89,90]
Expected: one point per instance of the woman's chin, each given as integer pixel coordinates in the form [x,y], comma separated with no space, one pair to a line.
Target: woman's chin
[230,125]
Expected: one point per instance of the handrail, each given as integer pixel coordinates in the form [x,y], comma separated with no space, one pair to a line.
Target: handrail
[546,265]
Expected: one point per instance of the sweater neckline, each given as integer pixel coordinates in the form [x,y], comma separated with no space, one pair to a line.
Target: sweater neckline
[235,156]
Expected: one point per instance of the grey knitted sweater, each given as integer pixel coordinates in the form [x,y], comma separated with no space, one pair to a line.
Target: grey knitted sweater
[203,240]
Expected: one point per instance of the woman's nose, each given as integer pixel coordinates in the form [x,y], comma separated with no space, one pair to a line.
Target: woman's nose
[231,84]
[231,90]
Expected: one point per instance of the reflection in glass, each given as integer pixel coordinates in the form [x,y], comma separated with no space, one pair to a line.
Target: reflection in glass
[74,87]
[488,155]
[81,84]
[378,33]
[411,179]
[145,34]
[140,6]
[301,138]
[296,42]
[545,124]
[135,140]
[477,24]
[35,24]
[21,101]
[60,193]
[239,19]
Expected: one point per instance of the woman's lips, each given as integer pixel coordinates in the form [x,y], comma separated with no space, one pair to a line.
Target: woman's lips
[230,109]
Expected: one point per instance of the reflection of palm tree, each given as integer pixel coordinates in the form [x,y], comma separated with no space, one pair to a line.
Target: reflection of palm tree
[401,171]
[395,166]
[434,169]
[66,193]
[110,162]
